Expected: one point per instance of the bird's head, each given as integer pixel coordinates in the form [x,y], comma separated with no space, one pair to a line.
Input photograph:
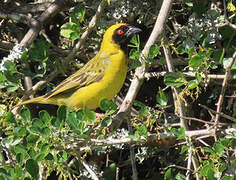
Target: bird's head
[119,34]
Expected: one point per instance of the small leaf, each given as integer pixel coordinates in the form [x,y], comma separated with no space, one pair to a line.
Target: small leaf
[154,51]
[32,139]
[32,168]
[174,80]
[219,148]
[106,122]
[184,149]
[89,116]
[10,117]
[72,121]
[179,133]
[169,175]
[195,61]
[108,106]
[25,114]
[161,98]
[78,14]
[62,114]
[44,116]
[180,177]
[227,61]
[192,84]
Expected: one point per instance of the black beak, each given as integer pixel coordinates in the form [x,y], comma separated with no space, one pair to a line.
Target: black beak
[131,31]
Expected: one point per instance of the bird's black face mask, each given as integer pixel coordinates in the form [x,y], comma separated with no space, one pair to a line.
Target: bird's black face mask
[123,34]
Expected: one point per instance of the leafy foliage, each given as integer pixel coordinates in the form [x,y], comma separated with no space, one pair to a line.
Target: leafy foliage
[44,141]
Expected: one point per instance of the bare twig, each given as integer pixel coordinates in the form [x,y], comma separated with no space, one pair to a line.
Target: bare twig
[140,71]
[91,171]
[179,104]
[202,121]
[219,113]
[190,152]
[132,156]
[223,89]
[149,75]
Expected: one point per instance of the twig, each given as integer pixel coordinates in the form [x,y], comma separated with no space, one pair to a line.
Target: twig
[149,75]
[140,71]
[219,113]
[179,104]
[223,89]
[84,36]
[201,132]
[91,171]
[132,156]
[190,151]
[202,121]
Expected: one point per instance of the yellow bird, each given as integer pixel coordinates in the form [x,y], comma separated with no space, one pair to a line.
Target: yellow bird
[102,77]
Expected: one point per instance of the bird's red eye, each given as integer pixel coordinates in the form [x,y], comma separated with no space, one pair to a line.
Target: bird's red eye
[120,32]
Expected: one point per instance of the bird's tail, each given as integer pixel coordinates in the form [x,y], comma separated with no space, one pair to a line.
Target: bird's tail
[39,99]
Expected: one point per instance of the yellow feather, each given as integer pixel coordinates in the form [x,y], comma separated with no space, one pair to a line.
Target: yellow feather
[102,77]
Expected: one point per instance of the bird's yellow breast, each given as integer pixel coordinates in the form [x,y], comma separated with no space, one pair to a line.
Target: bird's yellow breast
[111,83]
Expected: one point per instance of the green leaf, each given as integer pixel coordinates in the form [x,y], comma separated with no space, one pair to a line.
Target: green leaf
[192,84]
[108,106]
[143,108]
[184,148]
[218,55]
[20,131]
[223,167]
[32,168]
[180,177]
[78,14]
[161,98]
[89,116]
[154,51]
[10,66]
[45,117]
[49,157]
[142,130]
[32,139]
[62,114]
[181,49]
[71,30]
[174,80]
[72,121]
[179,133]
[25,114]
[134,54]
[106,122]
[168,174]
[219,148]
[195,61]
[189,4]
[227,178]
[62,156]
[227,61]
[10,117]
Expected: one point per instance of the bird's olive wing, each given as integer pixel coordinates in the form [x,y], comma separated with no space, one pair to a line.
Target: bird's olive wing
[90,73]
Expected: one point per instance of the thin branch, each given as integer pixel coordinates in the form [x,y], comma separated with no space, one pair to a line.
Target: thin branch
[190,154]
[219,113]
[140,71]
[223,89]
[149,75]
[179,104]
[202,121]
[132,156]
[91,171]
